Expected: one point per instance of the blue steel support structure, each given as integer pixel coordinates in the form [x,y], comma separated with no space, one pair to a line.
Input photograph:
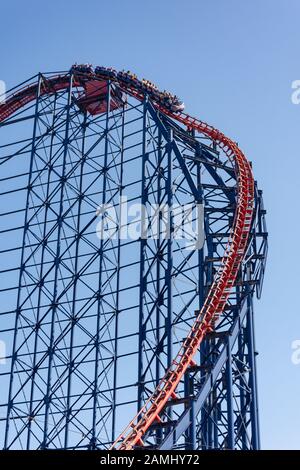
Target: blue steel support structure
[92,322]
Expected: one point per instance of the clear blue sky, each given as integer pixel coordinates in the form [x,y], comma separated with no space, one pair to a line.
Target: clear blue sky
[233,63]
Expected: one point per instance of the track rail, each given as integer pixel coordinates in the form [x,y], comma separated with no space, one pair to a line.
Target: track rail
[225,277]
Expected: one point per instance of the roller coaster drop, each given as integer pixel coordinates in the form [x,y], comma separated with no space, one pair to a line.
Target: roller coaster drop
[93,331]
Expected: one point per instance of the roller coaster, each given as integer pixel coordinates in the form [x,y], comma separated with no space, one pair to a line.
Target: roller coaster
[205,395]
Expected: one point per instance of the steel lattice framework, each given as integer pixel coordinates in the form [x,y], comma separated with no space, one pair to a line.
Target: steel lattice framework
[92,325]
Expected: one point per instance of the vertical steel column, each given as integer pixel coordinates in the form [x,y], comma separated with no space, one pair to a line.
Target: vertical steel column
[93,441]
[76,277]
[190,434]
[114,408]
[206,425]
[170,234]
[143,281]
[229,397]
[56,270]
[201,286]
[252,366]
[201,279]
[41,273]
[191,438]
[159,433]
[241,359]
[26,216]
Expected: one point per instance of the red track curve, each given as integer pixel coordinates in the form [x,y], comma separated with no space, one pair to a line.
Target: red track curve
[225,278]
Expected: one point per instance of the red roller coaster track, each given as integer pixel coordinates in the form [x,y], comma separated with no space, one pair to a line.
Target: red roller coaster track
[224,279]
